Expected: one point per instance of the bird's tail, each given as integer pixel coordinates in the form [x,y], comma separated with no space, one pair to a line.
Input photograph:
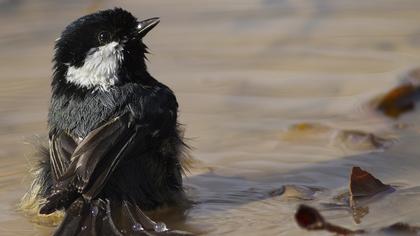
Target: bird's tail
[109,217]
[97,217]
[40,187]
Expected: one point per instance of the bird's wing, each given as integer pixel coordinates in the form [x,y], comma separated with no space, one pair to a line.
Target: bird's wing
[94,160]
[99,153]
[61,148]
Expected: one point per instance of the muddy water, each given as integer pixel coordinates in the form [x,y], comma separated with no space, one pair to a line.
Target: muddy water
[268,91]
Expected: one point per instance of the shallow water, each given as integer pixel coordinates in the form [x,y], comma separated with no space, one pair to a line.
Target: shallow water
[264,88]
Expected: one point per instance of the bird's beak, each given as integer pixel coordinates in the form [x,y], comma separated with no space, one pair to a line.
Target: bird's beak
[145,26]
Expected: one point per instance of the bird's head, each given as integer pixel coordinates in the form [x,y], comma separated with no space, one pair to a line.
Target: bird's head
[102,50]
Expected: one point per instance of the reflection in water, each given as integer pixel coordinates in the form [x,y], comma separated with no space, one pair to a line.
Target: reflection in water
[243,73]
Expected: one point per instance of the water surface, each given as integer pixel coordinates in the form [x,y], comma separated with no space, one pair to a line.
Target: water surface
[245,73]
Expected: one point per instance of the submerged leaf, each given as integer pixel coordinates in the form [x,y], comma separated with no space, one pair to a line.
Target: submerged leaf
[310,219]
[320,134]
[403,98]
[307,132]
[399,100]
[401,229]
[360,140]
[294,192]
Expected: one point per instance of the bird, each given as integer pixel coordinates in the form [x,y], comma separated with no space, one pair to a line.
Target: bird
[115,146]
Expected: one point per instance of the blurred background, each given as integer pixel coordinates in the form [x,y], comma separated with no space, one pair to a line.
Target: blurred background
[271,92]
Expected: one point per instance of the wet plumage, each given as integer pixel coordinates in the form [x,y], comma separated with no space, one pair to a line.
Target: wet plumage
[114,139]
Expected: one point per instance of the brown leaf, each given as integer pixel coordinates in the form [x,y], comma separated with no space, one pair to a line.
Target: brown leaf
[310,219]
[399,100]
[363,184]
[363,187]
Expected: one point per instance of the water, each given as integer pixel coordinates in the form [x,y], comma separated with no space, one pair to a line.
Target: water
[246,74]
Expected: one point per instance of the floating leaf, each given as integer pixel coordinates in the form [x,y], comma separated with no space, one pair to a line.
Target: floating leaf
[363,184]
[363,189]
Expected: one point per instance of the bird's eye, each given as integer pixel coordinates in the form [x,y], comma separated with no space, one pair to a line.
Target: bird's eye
[104,37]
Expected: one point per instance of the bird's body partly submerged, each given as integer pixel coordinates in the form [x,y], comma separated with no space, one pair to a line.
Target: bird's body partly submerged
[150,172]
[114,142]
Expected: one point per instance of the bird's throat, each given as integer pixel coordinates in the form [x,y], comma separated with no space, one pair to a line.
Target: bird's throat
[100,68]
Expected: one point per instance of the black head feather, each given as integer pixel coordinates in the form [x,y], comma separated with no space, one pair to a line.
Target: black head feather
[84,35]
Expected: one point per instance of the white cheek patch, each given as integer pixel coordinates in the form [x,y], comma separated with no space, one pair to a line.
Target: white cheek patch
[100,69]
